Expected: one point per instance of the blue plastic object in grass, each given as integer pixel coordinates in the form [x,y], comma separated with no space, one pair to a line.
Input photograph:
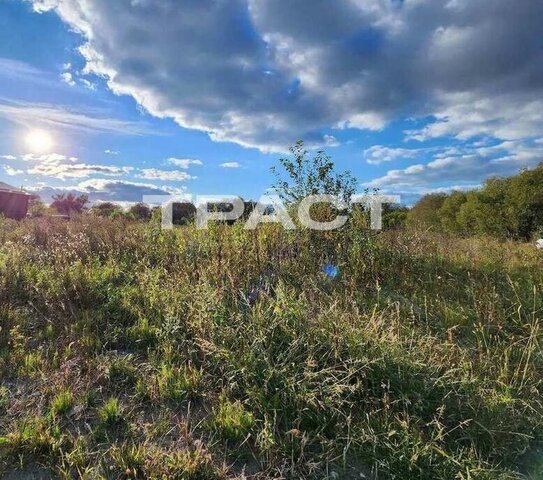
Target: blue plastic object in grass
[331,271]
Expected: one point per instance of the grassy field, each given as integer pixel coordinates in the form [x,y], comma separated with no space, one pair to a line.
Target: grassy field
[128,352]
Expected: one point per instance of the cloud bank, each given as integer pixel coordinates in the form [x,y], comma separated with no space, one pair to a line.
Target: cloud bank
[62,167]
[101,190]
[465,164]
[264,73]
[57,116]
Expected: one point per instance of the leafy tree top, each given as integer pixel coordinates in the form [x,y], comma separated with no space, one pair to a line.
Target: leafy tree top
[67,203]
[304,175]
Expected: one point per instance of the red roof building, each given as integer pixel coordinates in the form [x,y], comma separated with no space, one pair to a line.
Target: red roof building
[13,202]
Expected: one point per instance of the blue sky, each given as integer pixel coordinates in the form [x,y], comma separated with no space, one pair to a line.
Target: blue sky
[145,97]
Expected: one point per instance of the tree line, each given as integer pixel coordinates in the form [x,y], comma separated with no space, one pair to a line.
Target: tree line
[510,207]
[67,204]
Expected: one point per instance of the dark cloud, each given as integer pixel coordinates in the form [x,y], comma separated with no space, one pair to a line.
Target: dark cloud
[263,73]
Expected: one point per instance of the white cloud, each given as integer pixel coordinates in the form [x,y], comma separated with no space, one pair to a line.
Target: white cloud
[12,171]
[466,115]
[331,141]
[184,162]
[468,164]
[8,157]
[75,170]
[56,165]
[111,152]
[380,154]
[33,115]
[230,165]
[165,175]
[48,158]
[20,71]
[68,78]
[253,74]
[88,84]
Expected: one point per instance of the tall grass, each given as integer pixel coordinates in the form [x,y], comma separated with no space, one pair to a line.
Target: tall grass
[130,352]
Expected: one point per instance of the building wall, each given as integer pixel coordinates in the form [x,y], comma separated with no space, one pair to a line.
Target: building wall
[14,205]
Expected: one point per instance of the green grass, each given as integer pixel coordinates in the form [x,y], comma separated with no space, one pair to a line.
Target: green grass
[128,352]
[231,420]
[110,413]
[177,384]
[61,403]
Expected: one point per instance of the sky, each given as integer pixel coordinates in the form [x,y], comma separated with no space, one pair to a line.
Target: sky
[126,98]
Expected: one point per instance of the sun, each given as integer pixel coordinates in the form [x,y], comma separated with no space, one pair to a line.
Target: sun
[39,141]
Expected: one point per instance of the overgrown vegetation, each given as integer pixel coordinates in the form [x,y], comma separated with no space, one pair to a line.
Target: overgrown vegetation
[131,352]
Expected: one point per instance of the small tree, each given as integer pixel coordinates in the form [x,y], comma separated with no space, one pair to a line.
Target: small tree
[425,213]
[69,203]
[311,176]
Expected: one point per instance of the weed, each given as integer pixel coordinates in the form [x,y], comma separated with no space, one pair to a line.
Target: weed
[188,465]
[122,373]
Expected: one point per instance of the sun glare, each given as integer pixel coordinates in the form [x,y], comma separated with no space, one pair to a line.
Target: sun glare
[39,141]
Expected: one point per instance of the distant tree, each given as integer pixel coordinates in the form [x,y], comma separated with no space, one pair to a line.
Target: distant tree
[525,194]
[494,215]
[449,211]
[394,216]
[467,216]
[488,211]
[249,208]
[509,207]
[305,176]
[425,213]
[140,211]
[156,214]
[183,213]
[69,203]
[106,209]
